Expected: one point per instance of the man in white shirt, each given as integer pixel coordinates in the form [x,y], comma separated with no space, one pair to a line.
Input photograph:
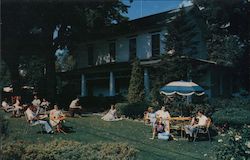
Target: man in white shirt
[75,107]
[33,119]
[190,129]
[36,101]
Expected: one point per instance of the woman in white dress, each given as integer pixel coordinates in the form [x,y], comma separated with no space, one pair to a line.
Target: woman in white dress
[111,115]
[165,116]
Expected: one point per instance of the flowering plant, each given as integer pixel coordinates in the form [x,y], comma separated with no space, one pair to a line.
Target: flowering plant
[234,144]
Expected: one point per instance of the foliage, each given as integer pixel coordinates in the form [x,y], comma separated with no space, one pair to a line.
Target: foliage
[227,38]
[32,69]
[181,35]
[235,144]
[136,84]
[132,110]
[57,149]
[3,125]
[225,50]
[13,150]
[4,74]
[37,23]
[238,102]
[232,116]
[181,45]
[65,62]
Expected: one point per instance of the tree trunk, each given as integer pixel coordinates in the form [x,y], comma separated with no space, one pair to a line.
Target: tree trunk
[51,75]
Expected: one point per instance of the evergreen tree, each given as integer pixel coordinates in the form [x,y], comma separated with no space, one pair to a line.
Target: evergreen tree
[181,45]
[136,84]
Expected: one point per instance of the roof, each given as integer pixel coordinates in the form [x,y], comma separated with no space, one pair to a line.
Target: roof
[150,22]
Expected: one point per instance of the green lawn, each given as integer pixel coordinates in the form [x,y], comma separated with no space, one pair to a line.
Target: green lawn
[92,129]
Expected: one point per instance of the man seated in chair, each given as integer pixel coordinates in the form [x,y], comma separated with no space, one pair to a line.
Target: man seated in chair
[192,128]
[33,118]
[56,117]
[75,107]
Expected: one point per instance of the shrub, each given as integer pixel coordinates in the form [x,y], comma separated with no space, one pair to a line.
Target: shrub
[237,102]
[68,150]
[234,144]
[232,116]
[136,85]
[132,110]
[13,150]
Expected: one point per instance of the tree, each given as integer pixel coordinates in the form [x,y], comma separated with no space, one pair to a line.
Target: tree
[136,84]
[5,75]
[30,24]
[181,43]
[32,70]
[228,34]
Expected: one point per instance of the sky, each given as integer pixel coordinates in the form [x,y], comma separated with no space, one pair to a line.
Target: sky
[142,8]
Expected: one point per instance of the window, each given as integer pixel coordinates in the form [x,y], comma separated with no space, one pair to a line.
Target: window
[112,50]
[90,55]
[155,40]
[132,48]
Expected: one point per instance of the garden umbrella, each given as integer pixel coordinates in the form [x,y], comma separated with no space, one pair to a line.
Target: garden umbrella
[8,89]
[182,88]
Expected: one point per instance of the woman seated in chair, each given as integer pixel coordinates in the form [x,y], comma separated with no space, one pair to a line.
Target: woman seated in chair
[165,116]
[159,130]
[17,106]
[56,118]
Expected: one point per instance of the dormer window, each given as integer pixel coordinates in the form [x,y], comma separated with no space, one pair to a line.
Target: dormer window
[90,50]
[112,51]
[155,44]
[132,48]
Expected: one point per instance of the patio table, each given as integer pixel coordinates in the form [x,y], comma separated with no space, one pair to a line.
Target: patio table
[180,121]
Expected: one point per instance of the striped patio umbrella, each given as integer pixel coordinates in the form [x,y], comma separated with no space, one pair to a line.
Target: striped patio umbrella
[182,88]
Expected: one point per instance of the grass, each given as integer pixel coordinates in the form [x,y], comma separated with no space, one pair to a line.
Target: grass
[92,129]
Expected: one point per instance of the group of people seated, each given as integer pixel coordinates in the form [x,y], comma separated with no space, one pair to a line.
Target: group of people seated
[160,121]
[36,113]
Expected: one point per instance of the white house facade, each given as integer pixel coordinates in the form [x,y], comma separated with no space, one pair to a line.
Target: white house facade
[104,64]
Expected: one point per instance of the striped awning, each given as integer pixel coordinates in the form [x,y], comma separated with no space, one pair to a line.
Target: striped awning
[182,88]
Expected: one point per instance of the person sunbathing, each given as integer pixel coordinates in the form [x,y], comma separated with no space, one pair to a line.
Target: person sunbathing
[56,118]
[111,115]
[6,107]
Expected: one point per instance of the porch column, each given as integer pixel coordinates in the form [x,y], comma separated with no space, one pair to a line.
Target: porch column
[146,82]
[111,84]
[83,86]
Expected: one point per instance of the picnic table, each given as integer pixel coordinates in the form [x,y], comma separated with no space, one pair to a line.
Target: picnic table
[178,123]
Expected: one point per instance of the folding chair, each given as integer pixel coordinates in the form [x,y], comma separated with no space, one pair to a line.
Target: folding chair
[29,124]
[204,130]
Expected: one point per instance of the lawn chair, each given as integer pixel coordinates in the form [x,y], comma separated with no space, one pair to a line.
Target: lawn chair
[203,130]
[29,124]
